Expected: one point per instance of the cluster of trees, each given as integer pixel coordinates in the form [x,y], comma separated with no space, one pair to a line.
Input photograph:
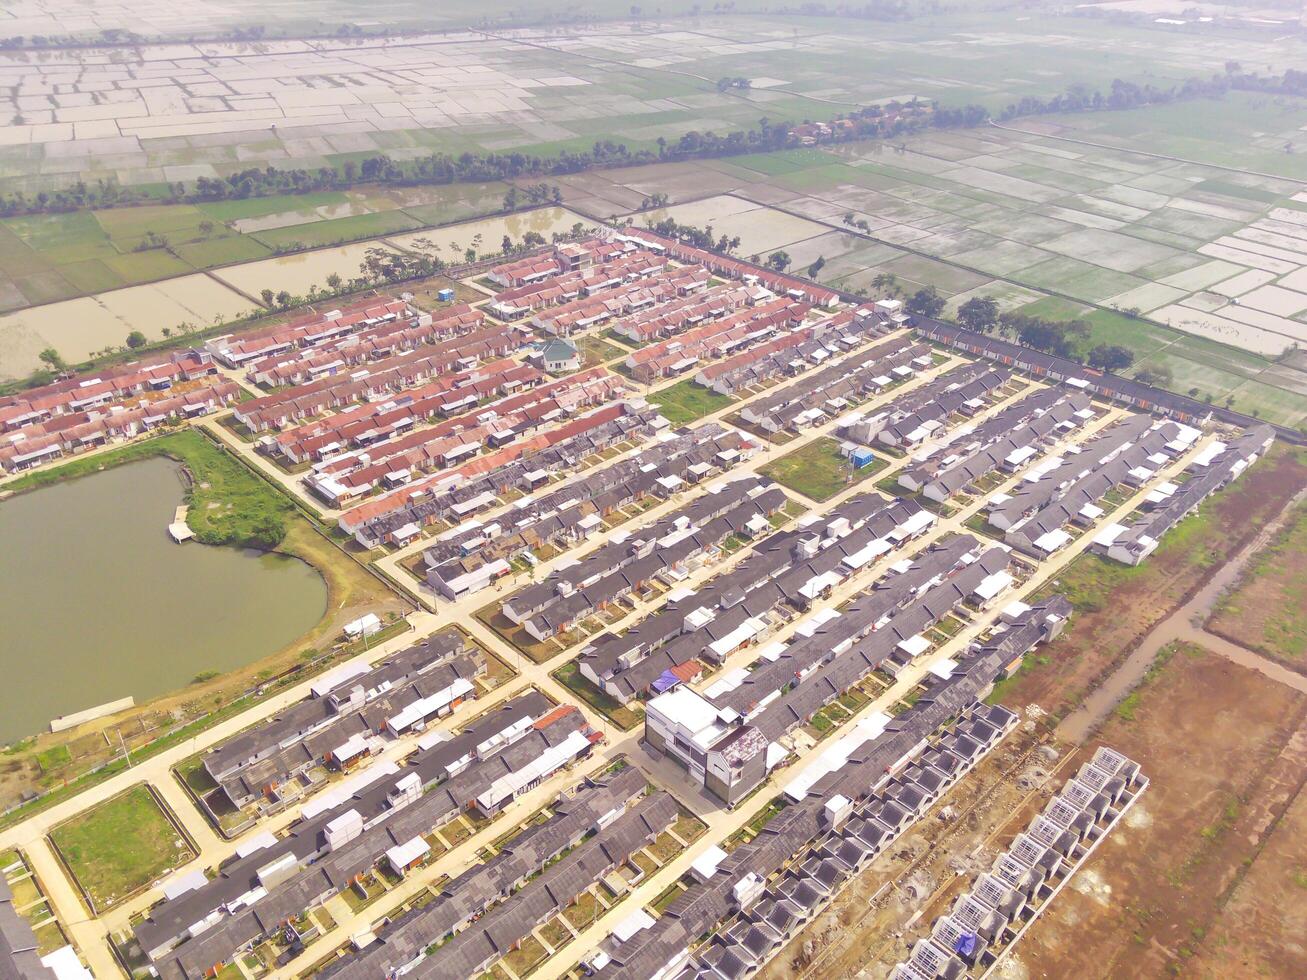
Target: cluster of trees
[696,237]
[531,195]
[727,82]
[653,201]
[1061,337]
[1129,95]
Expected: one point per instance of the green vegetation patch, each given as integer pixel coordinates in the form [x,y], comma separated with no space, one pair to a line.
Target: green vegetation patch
[222,251]
[819,470]
[261,207]
[315,234]
[229,504]
[686,402]
[120,846]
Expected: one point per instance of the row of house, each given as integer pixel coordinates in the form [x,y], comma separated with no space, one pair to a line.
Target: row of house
[465,898]
[783,574]
[827,392]
[380,338]
[602,305]
[80,393]
[305,330]
[963,391]
[379,379]
[728,268]
[525,465]
[645,326]
[744,328]
[628,561]
[468,557]
[381,818]
[490,426]
[741,719]
[1066,489]
[1004,443]
[358,426]
[536,284]
[501,930]
[795,352]
[1126,391]
[1215,466]
[345,707]
[987,920]
[134,415]
[851,814]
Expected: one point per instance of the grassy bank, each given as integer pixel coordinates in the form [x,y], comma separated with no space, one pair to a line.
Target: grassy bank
[229,504]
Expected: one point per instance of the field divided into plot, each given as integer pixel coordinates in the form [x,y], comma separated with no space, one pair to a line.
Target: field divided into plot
[1199,272]
[46,258]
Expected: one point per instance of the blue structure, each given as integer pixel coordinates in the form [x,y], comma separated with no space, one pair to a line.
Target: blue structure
[445,296]
[861,457]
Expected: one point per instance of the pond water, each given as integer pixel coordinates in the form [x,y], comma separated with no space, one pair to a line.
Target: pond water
[97,602]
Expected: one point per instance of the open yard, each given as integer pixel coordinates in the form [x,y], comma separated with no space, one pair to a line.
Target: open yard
[686,402]
[120,846]
[819,470]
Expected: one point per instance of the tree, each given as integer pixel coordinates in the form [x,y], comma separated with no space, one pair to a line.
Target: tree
[51,357]
[778,260]
[206,228]
[284,299]
[333,281]
[1159,376]
[816,267]
[886,281]
[506,245]
[980,313]
[136,339]
[470,254]
[268,297]
[532,239]
[1111,357]
[926,302]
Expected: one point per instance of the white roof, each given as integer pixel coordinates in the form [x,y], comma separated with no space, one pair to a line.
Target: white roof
[1109,534]
[837,754]
[65,965]
[405,854]
[705,865]
[685,707]
[746,631]
[727,682]
[992,585]
[914,646]
[1052,541]
[633,923]
[180,884]
[943,668]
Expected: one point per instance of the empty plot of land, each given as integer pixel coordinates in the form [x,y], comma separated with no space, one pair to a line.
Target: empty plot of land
[120,846]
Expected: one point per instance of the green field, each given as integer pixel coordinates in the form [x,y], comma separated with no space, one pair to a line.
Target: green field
[686,402]
[338,230]
[120,846]
[819,470]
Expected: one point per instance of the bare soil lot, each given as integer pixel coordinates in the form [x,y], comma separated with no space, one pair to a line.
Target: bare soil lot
[1159,893]
[1267,612]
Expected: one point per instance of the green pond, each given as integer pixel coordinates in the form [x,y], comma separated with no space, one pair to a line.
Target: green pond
[97,602]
